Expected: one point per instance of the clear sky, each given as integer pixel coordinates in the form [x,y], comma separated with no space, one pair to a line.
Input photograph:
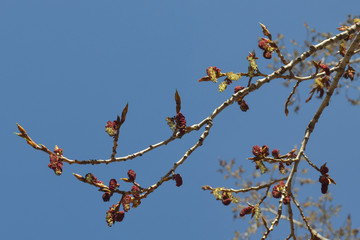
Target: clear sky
[67,67]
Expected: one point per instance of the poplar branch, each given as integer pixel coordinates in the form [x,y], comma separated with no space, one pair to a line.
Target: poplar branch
[255,188]
[275,221]
[323,105]
[240,94]
[298,223]
[182,160]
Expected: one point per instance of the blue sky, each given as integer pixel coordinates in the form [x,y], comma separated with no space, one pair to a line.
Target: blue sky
[67,67]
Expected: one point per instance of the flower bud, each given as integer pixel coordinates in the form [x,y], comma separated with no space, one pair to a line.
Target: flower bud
[180,123]
[324,169]
[58,151]
[276,193]
[263,44]
[178,180]
[135,189]
[119,216]
[247,210]
[325,68]
[110,128]
[132,175]
[265,150]
[106,196]
[243,106]
[281,184]
[275,153]
[113,184]
[213,73]
[126,203]
[226,201]
[286,200]
[238,88]
[55,164]
[256,150]
[110,215]
[267,54]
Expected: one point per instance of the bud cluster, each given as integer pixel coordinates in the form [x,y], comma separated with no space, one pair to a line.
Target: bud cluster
[111,128]
[136,189]
[321,83]
[55,163]
[126,200]
[349,73]
[264,45]
[260,153]
[177,122]
[279,190]
[113,184]
[114,215]
[213,73]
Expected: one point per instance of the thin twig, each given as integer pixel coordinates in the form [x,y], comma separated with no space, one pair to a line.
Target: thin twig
[240,94]
[181,161]
[324,104]
[291,220]
[250,188]
[275,221]
[310,163]
[298,223]
[302,214]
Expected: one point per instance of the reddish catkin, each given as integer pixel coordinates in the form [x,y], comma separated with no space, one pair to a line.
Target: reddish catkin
[324,169]
[263,44]
[226,201]
[132,175]
[267,54]
[247,210]
[256,150]
[55,164]
[178,180]
[106,196]
[135,189]
[119,216]
[238,88]
[180,123]
[113,184]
